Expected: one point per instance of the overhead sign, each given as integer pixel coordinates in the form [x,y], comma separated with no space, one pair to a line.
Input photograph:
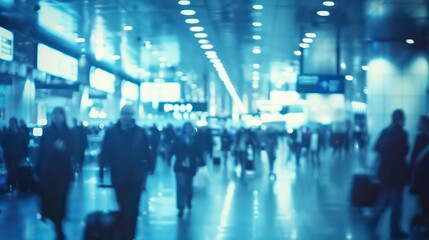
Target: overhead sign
[56,63]
[324,84]
[130,90]
[160,92]
[6,44]
[182,107]
[102,80]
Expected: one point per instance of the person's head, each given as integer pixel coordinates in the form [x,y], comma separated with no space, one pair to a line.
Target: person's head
[188,128]
[424,124]
[398,117]
[58,116]
[127,115]
[13,123]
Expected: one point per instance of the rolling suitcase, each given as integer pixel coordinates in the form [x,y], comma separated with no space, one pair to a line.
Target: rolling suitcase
[364,191]
[100,225]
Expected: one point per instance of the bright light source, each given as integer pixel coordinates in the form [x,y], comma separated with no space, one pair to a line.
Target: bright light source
[257,50]
[256,78]
[256,66]
[37,132]
[207,46]
[349,77]
[184,2]
[203,41]
[257,24]
[215,60]
[304,45]
[255,73]
[258,7]
[310,35]
[162,59]
[212,56]
[329,3]
[127,28]
[188,12]
[192,21]
[80,40]
[85,123]
[200,35]
[257,37]
[343,66]
[255,85]
[297,53]
[116,57]
[410,41]
[289,69]
[307,40]
[210,53]
[323,13]
[365,67]
[196,29]
[42,122]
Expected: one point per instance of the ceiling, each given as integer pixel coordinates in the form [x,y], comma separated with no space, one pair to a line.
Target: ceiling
[161,41]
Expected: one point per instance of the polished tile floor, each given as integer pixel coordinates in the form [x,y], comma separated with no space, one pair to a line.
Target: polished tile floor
[302,203]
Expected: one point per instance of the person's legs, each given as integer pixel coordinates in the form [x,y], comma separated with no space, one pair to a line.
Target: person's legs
[380,207]
[128,198]
[180,191]
[189,189]
[396,216]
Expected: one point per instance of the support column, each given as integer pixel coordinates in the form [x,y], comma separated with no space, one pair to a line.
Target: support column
[398,78]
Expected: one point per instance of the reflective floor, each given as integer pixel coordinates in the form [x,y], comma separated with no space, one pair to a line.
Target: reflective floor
[302,203]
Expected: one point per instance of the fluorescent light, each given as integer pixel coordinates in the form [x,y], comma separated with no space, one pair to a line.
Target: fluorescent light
[256,78]
[365,67]
[304,45]
[127,28]
[258,7]
[196,29]
[192,21]
[410,41]
[256,50]
[307,40]
[184,2]
[212,56]
[297,53]
[256,66]
[206,46]
[257,37]
[188,12]
[200,35]
[257,24]
[215,60]
[349,77]
[116,57]
[310,35]
[329,3]
[323,13]
[80,40]
[203,41]
[343,66]
[255,73]
[211,53]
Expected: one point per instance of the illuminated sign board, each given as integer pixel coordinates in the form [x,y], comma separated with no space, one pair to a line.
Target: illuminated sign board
[130,90]
[102,80]
[6,44]
[182,107]
[324,84]
[160,92]
[56,63]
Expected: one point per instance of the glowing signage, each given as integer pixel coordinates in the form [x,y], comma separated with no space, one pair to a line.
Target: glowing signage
[6,44]
[56,63]
[102,80]
[324,84]
[130,90]
[160,92]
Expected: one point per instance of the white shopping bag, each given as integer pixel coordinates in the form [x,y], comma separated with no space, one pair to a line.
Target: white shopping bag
[202,178]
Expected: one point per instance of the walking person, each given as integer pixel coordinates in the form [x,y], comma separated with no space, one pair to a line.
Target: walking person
[315,148]
[15,149]
[55,169]
[226,142]
[392,148]
[125,149]
[420,170]
[81,140]
[188,153]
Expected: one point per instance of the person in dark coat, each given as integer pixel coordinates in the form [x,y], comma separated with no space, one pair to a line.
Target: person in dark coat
[55,169]
[188,153]
[392,148]
[154,140]
[15,148]
[169,136]
[226,142]
[125,148]
[81,140]
[420,168]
